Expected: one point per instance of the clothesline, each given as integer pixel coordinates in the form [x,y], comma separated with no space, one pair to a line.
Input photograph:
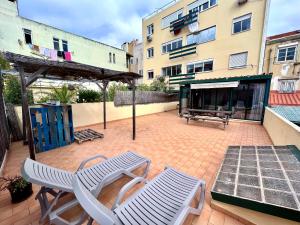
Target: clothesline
[51,54]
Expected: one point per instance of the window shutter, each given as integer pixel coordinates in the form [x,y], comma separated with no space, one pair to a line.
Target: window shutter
[238,60]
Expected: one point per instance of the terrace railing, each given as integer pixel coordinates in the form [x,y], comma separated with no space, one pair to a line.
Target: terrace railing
[177,79]
[184,21]
[183,51]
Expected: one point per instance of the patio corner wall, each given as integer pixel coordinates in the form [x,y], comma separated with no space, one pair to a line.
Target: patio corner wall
[280,130]
[86,114]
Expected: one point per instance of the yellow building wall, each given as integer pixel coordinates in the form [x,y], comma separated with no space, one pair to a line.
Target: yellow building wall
[86,114]
[288,69]
[219,50]
[281,131]
[83,50]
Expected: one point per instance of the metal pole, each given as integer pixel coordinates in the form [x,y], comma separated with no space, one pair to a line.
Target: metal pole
[26,114]
[105,83]
[133,110]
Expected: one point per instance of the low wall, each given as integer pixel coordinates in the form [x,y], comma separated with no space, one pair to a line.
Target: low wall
[85,114]
[281,131]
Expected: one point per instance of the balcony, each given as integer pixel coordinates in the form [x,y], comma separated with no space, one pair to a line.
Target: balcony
[183,51]
[177,79]
[184,21]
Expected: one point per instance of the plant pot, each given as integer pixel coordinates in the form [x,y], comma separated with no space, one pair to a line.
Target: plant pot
[21,194]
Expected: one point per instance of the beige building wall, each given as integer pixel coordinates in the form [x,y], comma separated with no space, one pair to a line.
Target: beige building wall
[86,114]
[281,131]
[282,70]
[83,50]
[226,43]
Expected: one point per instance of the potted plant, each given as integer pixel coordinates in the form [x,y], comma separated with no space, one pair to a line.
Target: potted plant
[19,188]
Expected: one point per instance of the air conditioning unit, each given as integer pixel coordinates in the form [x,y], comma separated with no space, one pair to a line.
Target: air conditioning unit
[241,2]
[149,38]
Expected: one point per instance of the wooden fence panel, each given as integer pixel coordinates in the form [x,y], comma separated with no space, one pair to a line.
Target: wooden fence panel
[143,97]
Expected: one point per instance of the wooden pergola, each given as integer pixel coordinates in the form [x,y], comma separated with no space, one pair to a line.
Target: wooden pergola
[31,69]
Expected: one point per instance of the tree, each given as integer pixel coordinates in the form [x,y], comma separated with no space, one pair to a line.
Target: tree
[63,94]
[4,65]
[89,96]
[143,87]
[112,89]
[12,91]
[159,84]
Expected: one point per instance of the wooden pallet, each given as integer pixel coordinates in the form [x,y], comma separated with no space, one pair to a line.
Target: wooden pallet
[87,135]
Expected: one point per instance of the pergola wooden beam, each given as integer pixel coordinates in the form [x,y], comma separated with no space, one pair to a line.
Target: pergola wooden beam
[31,68]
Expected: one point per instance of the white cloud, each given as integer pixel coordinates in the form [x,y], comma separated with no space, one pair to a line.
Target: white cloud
[116,21]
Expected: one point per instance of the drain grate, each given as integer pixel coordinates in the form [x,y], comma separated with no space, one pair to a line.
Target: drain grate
[261,178]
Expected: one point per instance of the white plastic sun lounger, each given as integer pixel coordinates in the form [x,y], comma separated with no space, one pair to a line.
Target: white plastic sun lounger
[57,182]
[164,200]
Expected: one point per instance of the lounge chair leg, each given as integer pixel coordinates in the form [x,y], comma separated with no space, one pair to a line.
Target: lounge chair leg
[197,211]
[146,171]
[91,220]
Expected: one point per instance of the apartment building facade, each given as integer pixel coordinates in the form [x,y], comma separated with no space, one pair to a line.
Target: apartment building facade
[282,58]
[212,51]
[31,38]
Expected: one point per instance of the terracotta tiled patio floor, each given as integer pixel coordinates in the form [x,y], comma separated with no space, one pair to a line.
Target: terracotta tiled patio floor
[196,149]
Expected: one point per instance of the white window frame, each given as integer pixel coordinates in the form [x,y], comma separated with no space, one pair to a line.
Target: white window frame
[172,70]
[198,32]
[176,14]
[241,19]
[150,71]
[57,40]
[170,42]
[148,55]
[199,62]
[287,47]
[239,66]
[198,3]
[150,30]
[64,42]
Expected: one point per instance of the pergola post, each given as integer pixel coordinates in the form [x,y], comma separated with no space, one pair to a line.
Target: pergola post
[103,89]
[133,110]
[26,114]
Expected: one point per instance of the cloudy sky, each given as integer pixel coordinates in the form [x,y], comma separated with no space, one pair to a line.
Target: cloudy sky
[116,21]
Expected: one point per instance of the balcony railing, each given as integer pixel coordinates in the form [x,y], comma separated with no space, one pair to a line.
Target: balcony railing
[183,51]
[184,21]
[177,79]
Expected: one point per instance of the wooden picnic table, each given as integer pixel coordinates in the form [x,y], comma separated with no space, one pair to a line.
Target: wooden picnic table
[208,115]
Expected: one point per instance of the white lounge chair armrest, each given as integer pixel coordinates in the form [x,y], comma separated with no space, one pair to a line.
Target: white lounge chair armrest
[125,189]
[84,162]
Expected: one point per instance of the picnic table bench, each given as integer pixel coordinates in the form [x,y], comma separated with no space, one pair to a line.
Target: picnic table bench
[208,115]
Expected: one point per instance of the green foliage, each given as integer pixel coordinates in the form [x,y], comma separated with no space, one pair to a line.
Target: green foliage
[12,91]
[143,87]
[4,65]
[89,96]
[63,94]
[13,184]
[112,89]
[44,99]
[159,84]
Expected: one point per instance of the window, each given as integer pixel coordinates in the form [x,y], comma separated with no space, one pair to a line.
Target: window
[241,24]
[150,30]
[27,35]
[201,66]
[114,58]
[141,72]
[286,86]
[150,52]
[238,60]
[203,36]
[65,46]
[56,43]
[165,22]
[110,57]
[172,45]
[286,54]
[150,74]
[171,70]
[201,5]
